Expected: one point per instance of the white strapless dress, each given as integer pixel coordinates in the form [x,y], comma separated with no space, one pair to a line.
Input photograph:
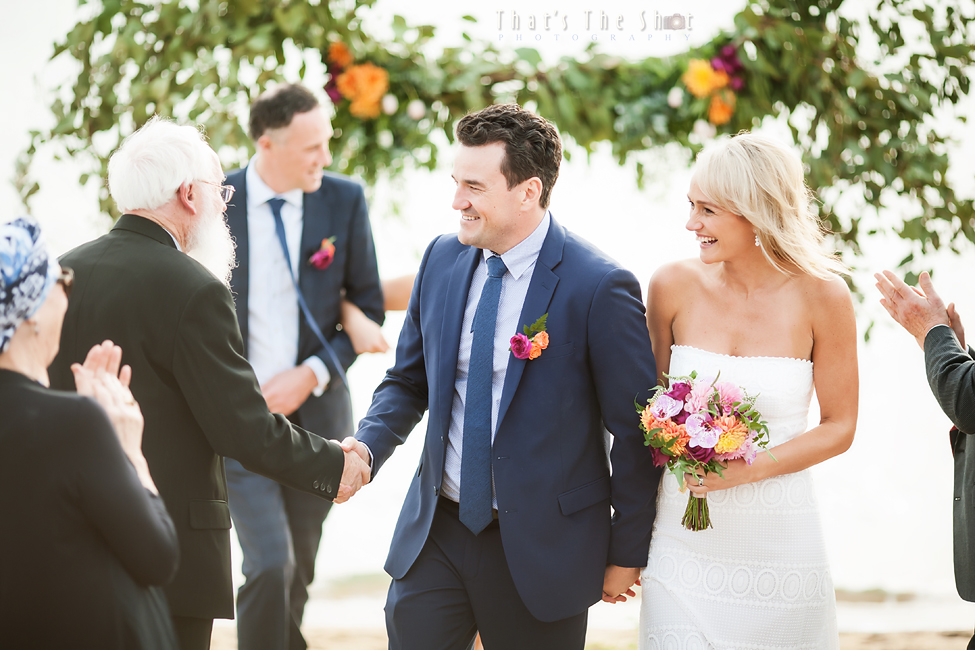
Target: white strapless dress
[759,579]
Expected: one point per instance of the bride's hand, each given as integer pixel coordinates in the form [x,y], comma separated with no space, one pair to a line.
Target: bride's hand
[736,472]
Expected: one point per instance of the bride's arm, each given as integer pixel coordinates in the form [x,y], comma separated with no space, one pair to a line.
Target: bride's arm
[661,309]
[836,378]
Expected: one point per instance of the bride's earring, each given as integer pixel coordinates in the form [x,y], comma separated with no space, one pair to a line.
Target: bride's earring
[757,241]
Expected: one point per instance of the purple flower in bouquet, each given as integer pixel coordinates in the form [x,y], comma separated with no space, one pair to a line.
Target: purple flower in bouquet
[679,391]
[701,430]
[659,458]
[700,454]
[666,407]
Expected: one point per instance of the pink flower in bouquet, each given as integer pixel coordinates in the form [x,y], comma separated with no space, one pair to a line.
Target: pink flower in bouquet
[697,400]
[702,431]
[666,407]
[521,346]
[728,394]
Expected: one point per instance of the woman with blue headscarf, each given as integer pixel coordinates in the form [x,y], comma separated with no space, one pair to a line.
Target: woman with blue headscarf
[85,539]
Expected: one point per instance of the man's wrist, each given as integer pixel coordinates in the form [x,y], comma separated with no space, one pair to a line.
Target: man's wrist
[322,375]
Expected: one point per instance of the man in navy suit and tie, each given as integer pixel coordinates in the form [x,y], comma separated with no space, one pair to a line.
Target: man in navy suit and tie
[293,224]
[513,525]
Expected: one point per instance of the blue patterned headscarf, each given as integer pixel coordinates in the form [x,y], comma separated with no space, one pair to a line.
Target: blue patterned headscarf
[26,275]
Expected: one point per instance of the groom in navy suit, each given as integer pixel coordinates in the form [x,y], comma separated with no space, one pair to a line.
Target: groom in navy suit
[513,525]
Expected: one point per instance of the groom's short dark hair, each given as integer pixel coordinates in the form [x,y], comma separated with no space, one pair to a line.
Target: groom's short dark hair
[275,108]
[532,146]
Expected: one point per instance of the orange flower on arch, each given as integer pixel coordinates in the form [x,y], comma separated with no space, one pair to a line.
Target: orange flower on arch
[339,54]
[364,86]
[722,108]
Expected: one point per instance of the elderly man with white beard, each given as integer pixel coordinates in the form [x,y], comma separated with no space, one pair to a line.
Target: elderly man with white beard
[156,285]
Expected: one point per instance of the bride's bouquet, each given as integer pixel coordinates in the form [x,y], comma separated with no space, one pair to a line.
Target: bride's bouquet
[695,425]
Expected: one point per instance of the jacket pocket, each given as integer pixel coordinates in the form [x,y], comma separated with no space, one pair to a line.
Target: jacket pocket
[207,515]
[584,496]
[554,352]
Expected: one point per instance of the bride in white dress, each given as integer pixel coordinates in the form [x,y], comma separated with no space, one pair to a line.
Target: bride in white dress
[763,306]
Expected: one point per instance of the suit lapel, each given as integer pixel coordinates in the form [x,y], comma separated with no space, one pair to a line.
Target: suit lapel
[455,302]
[540,292]
[315,226]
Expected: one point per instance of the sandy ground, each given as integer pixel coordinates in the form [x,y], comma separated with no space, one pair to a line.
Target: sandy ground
[342,639]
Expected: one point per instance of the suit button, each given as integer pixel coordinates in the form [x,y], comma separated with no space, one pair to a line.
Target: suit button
[328,489]
[436,491]
[315,484]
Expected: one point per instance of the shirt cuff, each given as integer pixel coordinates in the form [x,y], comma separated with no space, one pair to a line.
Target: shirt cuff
[321,373]
[370,455]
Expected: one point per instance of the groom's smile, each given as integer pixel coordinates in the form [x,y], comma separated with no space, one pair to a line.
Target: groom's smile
[493,215]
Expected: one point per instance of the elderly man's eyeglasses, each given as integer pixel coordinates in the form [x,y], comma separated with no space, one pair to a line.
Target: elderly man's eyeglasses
[226,191]
[66,280]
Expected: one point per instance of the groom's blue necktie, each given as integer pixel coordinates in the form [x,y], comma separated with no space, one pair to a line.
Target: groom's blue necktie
[475,463]
[276,204]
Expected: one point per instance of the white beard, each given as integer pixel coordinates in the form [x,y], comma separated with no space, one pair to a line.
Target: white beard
[211,245]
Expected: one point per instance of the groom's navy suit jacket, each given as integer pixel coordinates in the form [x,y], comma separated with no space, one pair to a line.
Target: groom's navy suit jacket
[550,454]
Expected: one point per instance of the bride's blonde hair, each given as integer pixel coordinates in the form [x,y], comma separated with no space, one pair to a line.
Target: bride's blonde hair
[763,181]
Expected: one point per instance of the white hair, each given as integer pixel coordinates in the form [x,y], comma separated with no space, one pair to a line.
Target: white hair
[152,163]
[763,181]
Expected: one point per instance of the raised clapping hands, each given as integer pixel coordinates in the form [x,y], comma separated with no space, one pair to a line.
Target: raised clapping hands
[618,583]
[104,379]
[357,470]
[917,309]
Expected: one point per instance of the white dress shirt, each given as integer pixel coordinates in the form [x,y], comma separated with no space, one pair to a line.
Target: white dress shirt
[520,261]
[273,314]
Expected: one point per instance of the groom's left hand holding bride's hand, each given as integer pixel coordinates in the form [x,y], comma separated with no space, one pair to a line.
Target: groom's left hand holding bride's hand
[618,583]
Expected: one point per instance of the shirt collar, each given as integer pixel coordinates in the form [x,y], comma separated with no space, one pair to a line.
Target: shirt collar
[521,257]
[259,192]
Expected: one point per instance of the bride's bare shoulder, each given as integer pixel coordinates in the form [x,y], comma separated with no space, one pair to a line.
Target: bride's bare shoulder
[677,277]
[827,297]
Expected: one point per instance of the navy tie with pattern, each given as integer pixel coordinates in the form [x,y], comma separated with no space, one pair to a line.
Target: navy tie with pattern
[475,463]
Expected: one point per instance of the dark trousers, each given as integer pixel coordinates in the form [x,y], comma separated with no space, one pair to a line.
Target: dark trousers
[460,585]
[193,633]
[279,530]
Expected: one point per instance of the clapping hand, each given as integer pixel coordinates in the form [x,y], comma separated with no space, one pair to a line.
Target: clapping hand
[104,379]
[357,471]
[917,309]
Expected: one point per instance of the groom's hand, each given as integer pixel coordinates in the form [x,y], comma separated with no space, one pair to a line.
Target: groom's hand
[354,476]
[618,582]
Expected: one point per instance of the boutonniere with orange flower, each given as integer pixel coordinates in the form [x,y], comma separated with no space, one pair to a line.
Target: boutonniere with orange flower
[321,258]
[530,344]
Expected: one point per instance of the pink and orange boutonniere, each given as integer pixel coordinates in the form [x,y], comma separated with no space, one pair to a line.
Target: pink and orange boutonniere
[530,344]
[321,258]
